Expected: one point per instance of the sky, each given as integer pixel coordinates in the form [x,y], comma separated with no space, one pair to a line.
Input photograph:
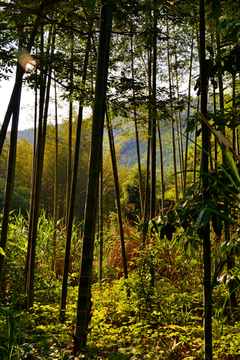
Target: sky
[27,102]
[26,116]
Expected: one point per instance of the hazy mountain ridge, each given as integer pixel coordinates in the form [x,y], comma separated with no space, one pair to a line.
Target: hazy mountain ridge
[28,134]
[127,153]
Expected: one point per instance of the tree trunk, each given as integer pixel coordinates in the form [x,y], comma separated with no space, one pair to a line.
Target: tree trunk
[55,208]
[179,127]
[35,114]
[206,235]
[172,121]
[18,81]
[161,168]
[10,177]
[153,123]
[84,294]
[146,199]
[36,192]
[69,157]
[117,193]
[37,152]
[72,194]
[100,221]
[188,114]
[137,139]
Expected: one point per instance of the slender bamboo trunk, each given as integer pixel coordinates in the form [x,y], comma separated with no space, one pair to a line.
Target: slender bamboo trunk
[172,121]
[32,235]
[146,200]
[220,84]
[153,123]
[206,236]
[153,119]
[35,114]
[195,155]
[231,263]
[180,150]
[188,114]
[179,128]
[161,167]
[18,81]
[195,148]
[117,193]
[10,178]
[84,294]
[100,221]
[235,131]
[137,139]
[55,208]
[37,151]
[232,298]
[214,95]
[69,156]
[72,194]
[234,108]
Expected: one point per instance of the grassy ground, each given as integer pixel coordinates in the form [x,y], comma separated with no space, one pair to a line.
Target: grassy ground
[160,322]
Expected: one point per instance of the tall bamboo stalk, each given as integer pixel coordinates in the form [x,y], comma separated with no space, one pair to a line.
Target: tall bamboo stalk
[69,154]
[36,192]
[55,208]
[153,121]
[100,220]
[206,230]
[73,193]
[137,137]
[188,114]
[10,178]
[18,81]
[179,126]
[146,199]
[172,120]
[84,294]
[36,159]
[161,167]
[117,193]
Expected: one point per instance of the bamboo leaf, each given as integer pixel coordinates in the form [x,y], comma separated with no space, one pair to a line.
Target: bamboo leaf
[9,319]
[143,228]
[154,226]
[206,215]
[210,50]
[197,227]
[223,139]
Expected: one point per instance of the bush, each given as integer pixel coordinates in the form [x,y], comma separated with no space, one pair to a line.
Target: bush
[21,198]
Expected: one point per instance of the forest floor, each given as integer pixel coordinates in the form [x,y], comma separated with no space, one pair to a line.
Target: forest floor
[164,321]
[169,328]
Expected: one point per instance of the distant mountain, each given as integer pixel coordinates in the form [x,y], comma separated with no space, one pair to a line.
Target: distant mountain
[28,134]
[128,152]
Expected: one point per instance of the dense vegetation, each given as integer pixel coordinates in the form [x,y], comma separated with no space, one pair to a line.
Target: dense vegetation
[167,321]
[120,231]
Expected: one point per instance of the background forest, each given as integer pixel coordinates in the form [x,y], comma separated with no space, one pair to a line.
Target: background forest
[119,229]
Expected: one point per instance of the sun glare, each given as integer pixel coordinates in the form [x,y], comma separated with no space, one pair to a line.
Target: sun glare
[26,60]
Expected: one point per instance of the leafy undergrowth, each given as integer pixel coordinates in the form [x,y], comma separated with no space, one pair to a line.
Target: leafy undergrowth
[160,322]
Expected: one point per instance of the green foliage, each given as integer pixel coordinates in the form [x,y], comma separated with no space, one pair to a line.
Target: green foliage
[130,199]
[48,281]
[21,198]
[8,330]
[162,322]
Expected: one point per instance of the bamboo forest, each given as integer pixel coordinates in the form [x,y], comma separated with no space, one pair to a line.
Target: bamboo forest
[119,202]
